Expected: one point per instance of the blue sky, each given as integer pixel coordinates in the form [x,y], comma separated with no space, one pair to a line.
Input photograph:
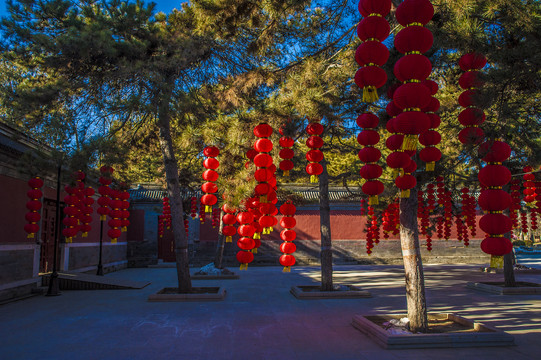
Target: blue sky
[162,5]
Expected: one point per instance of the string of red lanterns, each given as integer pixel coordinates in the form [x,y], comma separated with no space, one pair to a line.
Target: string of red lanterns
[229,219]
[314,156]
[472,116]
[209,188]
[34,206]
[372,54]
[288,235]
[370,155]
[286,154]
[245,242]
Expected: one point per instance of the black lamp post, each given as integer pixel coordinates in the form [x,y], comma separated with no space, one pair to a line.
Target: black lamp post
[100,266]
[54,288]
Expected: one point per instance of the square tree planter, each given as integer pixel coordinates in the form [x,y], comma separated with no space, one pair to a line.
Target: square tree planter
[197,294]
[454,331]
[497,287]
[309,292]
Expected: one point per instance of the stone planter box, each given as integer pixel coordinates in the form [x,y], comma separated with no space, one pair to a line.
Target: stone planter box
[309,292]
[215,277]
[523,288]
[478,335]
[198,294]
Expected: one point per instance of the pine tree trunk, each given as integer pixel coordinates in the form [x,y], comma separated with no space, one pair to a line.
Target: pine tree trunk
[175,199]
[508,271]
[325,228]
[413,265]
[218,259]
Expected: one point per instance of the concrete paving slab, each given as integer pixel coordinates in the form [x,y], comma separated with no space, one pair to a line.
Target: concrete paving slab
[258,319]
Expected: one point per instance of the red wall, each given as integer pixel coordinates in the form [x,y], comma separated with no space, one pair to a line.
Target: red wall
[345,225]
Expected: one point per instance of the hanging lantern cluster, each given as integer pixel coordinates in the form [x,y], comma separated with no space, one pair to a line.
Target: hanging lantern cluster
[440,219]
[392,215]
[263,161]
[73,212]
[286,154]
[537,207]
[104,201]
[412,69]
[125,205]
[245,242]
[116,213]
[407,181]
[372,54]
[229,219]
[193,207]
[472,116]
[215,217]
[363,206]
[164,220]
[34,205]
[524,221]
[209,188]
[431,138]
[386,222]
[288,235]
[469,210]
[493,200]
[514,208]
[314,155]
[86,208]
[372,233]
[529,185]
[202,215]
[445,201]
[370,155]
[187,226]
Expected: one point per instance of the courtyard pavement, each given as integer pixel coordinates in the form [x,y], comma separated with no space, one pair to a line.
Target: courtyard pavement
[259,318]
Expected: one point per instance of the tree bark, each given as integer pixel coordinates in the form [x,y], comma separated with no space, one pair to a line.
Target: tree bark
[508,259]
[413,265]
[325,228]
[173,192]
[218,259]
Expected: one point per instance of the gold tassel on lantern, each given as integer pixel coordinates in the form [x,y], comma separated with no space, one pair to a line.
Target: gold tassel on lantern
[254,251]
[113,241]
[286,173]
[228,239]
[208,209]
[30,236]
[263,199]
[257,235]
[103,217]
[286,269]
[404,194]
[430,166]
[243,267]
[410,142]
[85,234]
[373,200]
[496,262]
[313,179]
[370,94]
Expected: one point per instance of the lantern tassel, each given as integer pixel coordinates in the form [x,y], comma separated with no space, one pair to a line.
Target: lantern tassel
[30,236]
[85,234]
[373,200]
[286,269]
[409,143]
[68,240]
[124,228]
[430,166]
[263,199]
[313,179]
[103,217]
[113,241]
[208,209]
[370,94]
[228,239]
[404,194]
[257,235]
[286,173]
[496,262]
[254,251]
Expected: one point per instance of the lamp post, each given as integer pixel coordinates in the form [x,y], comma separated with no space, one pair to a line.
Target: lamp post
[54,288]
[100,266]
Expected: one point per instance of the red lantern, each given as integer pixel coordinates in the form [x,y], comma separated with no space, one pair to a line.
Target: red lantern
[405,183]
[287,235]
[413,39]
[412,67]
[263,130]
[373,188]
[370,78]
[414,11]
[371,52]
[494,151]
[472,61]
[373,27]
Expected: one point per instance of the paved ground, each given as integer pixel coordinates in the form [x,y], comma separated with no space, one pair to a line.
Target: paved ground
[259,318]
